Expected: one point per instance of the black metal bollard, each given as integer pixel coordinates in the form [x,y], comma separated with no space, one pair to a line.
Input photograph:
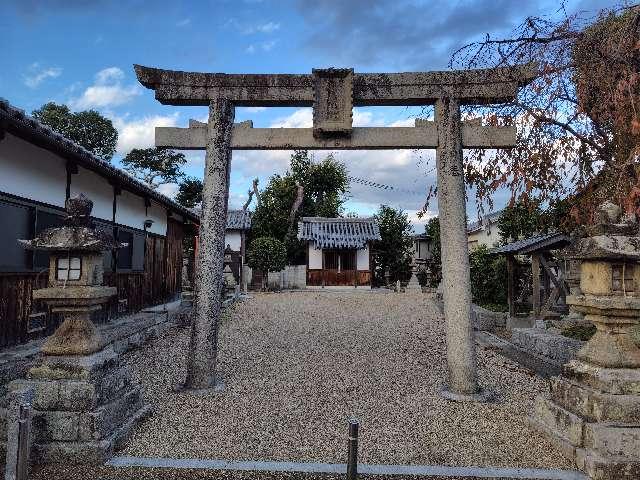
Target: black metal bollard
[352,461]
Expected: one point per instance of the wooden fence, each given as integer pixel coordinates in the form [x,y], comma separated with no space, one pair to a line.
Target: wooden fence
[160,281]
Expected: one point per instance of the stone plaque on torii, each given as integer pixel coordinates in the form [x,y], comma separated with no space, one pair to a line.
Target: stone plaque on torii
[333,93]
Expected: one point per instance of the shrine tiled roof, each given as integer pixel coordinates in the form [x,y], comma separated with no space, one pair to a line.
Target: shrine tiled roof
[338,232]
[238,220]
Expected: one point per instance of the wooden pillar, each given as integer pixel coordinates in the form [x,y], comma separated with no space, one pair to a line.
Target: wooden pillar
[201,364]
[535,272]
[511,285]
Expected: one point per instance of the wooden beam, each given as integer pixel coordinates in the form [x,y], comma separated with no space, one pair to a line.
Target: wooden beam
[558,282]
[484,86]
[535,273]
[511,285]
[423,135]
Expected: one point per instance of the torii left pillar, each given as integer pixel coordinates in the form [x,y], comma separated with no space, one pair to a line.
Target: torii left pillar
[201,363]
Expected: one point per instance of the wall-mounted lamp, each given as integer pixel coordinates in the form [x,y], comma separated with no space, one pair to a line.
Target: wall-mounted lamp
[147,223]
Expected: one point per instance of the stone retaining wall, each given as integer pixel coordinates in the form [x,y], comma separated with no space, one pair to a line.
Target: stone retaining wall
[124,334]
[487,320]
[547,343]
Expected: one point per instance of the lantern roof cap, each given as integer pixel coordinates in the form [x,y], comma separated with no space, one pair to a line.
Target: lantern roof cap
[78,234]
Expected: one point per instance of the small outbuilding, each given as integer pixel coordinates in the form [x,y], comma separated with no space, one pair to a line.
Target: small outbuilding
[548,273]
[338,250]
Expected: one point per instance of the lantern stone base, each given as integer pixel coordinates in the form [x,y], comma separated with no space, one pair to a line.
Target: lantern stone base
[593,415]
[85,406]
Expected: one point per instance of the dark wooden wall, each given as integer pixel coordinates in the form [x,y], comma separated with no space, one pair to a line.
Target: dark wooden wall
[161,281]
[331,277]
[16,305]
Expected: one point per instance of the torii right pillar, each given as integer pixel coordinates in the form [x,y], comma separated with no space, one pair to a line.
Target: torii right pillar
[461,356]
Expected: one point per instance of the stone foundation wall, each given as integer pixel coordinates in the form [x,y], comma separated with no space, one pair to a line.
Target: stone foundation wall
[487,320]
[125,334]
[556,347]
[292,277]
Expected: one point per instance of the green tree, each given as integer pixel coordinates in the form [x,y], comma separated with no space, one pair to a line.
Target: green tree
[155,166]
[88,128]
[526,218]
[520,220]
[488,278]
[266,254]
[189,192]
[323,184]
[432,228]
[393,251]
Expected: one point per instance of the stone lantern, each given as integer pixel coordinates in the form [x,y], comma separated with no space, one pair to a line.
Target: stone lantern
[75,279]
[85,401]
[594,409]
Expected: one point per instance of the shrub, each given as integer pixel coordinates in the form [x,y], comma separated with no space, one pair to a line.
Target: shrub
[580,332]
[267,254]
[488,278]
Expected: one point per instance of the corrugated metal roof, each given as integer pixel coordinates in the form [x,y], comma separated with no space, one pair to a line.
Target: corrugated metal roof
[238,220]
[338,232]
[17,122]
[547,241]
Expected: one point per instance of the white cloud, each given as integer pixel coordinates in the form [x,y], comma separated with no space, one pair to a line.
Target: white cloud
[184,22]
[267,46]
[109,75]
[301,118]
[264,46]
[253,109]
[268,27]
[168,189]
[107,91]
[140,132]
[38,74]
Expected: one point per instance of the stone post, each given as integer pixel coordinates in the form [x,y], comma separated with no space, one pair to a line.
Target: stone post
[18,449]
[201,373]
[461,358]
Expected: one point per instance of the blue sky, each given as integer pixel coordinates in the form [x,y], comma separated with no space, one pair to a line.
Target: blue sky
[81,52]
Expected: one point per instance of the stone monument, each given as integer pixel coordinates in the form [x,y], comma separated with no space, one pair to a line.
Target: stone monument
[85,401]
[593,412]
[229,278]
[414,284]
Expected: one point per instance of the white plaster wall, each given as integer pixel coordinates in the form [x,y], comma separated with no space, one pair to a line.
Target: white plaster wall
[233,239]
[362,258]
[130,210]
[97,188]
[158,214]
[32,172]
[489,236]
[315,257]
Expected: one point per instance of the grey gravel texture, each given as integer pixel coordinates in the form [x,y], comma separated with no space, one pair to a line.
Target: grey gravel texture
[298,365]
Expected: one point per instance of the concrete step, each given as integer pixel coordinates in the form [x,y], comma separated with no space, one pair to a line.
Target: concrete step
[181,468]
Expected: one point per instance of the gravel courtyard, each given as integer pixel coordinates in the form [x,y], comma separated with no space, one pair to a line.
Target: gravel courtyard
[298,365]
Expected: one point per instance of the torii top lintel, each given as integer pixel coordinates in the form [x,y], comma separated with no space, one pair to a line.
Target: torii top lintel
[475,87]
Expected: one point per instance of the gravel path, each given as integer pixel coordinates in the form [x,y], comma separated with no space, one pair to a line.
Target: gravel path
[298,365]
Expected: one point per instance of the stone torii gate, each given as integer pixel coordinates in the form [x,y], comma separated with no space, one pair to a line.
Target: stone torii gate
[333,93]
